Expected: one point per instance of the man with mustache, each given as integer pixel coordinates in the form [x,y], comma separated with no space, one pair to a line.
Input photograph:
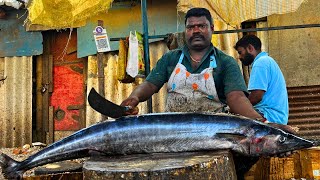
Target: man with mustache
[201,78]
[267,86]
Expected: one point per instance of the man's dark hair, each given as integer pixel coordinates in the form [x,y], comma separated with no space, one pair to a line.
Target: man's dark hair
[198,12]
[249,39]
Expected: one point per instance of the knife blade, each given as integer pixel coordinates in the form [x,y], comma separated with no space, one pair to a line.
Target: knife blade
[104,106]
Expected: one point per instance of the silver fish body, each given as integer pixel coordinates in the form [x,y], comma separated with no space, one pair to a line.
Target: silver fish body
[163,132]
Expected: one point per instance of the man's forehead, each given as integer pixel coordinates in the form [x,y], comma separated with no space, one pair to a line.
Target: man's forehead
[197,20]
[240,49]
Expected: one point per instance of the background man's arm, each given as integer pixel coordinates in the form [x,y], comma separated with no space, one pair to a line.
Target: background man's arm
[255,96]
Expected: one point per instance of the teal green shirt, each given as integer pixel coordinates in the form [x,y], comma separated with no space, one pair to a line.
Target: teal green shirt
[227,74]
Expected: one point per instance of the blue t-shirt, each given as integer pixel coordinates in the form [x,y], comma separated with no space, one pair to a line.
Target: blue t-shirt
[267,76]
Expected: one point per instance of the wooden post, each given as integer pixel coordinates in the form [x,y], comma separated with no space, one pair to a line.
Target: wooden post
[297,165]
[306,164]
[46,91]
[188,165]
[50,120]
[100,57]
[50,139]
[262,170]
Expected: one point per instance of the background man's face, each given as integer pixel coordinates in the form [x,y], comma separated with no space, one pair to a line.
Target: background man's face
[245,57]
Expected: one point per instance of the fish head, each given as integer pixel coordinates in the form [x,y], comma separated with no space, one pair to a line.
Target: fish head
[272,141]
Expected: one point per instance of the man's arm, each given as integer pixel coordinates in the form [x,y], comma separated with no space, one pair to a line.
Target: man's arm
[255,96]
[141,93]
[239,104]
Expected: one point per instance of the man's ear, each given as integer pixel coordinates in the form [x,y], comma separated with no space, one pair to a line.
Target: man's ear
[250,48]
[212,27]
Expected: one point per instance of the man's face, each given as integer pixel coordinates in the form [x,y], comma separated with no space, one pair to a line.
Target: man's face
[245,57]
[198,32]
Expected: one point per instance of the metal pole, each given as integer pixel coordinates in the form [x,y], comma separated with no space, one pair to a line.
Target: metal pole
[268,28]
[240,30]
[146,45]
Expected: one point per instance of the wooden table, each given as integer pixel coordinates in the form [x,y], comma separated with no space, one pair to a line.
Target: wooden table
[189,165]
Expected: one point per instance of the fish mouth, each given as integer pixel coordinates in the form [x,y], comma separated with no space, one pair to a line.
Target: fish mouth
[296,143]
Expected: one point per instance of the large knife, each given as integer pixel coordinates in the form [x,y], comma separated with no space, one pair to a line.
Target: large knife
[106,107]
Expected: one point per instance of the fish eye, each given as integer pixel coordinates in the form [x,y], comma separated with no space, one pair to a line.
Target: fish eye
[282,139]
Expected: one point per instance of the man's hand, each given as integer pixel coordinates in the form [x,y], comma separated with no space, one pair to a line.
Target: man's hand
[132,111]
[141,93]
[132,103]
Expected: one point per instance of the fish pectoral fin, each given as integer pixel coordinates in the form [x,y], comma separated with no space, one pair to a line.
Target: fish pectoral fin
[94,152]
[232,136]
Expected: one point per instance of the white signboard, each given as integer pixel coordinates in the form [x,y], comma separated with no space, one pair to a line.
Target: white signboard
[101,39]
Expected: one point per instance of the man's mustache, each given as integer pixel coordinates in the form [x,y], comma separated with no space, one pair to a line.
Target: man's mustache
[196,36]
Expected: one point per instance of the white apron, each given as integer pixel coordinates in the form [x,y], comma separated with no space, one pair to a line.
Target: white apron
[193,92]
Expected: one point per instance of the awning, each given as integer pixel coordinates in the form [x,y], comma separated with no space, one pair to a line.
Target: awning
[236,11]
[58,14]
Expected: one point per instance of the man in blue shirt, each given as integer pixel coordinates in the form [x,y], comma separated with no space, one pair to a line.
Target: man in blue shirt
[267,86]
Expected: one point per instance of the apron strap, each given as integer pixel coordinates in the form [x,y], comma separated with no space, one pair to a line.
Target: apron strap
[213,63]
[181,58]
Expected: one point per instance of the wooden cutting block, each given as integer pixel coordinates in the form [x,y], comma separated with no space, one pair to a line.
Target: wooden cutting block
[188,165]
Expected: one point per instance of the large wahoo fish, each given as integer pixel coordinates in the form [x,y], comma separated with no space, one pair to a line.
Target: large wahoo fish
[163,132]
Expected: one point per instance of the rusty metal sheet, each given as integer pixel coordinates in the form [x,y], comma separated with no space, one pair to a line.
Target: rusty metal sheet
[15,40]
[304,110]
[16,102]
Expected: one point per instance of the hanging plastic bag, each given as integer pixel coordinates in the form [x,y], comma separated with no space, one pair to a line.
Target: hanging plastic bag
[135,65]
[141,65]
[122,75]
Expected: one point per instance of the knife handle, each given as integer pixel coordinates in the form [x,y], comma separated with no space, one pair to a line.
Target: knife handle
[129,108]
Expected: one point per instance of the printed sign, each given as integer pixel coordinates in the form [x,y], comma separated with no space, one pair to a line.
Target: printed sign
[101,39]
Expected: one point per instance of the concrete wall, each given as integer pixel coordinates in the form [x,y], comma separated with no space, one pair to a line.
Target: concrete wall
[297,51]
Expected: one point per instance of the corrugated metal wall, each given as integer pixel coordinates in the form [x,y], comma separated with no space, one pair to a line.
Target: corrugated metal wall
[116,91]
[16,101]
[304,107]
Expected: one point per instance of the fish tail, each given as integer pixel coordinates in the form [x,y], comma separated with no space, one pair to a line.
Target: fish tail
[8,166]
